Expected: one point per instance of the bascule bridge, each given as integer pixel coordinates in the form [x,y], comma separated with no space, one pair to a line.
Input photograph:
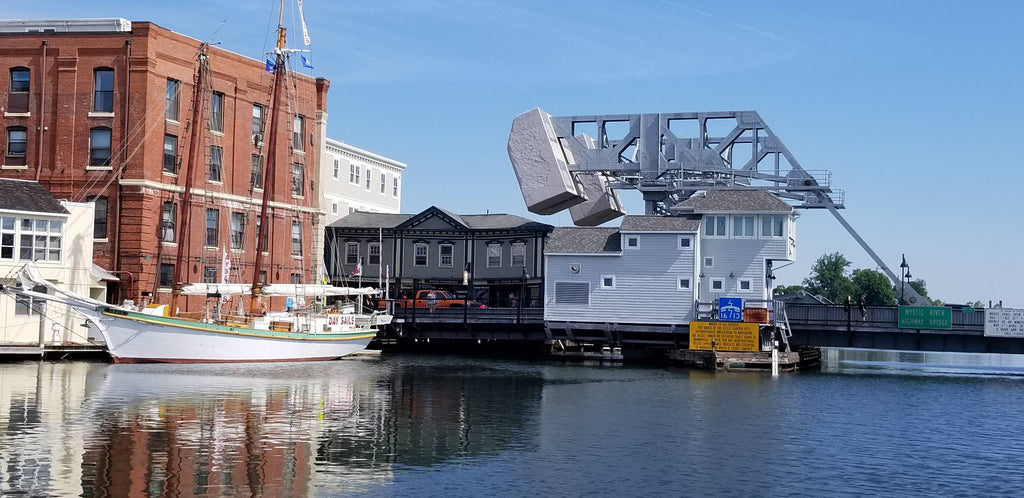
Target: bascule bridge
[580,163]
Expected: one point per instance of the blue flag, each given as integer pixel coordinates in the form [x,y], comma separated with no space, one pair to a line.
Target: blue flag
[271,67]
[305,62]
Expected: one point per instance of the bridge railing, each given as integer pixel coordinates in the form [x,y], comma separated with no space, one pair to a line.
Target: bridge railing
[833,315]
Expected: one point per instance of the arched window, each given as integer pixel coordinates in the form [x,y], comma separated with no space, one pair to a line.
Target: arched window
[103,90]
[17,140]
[17,101]
[99,147]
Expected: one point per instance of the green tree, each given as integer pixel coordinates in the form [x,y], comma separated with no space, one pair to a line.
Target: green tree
[829,278]
[922,289]
[788,289]
[874,286]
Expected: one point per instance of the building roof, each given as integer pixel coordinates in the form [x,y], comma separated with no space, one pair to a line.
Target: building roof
[361,219]
[734,200]
[636,223]
[583,240]
[27,195]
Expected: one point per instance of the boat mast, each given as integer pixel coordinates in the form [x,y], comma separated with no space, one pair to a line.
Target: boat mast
[268,173]
[185,219]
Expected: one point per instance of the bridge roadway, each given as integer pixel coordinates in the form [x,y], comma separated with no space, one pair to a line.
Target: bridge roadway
[811,325]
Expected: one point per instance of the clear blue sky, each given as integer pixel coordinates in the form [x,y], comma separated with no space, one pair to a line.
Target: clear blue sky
[916,107]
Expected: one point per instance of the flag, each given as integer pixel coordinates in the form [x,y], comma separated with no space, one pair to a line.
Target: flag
[358,270]
[305,34]
[225,267]
[271,67]
[305,62]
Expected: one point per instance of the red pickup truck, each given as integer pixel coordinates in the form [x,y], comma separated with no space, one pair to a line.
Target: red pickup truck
[432,298]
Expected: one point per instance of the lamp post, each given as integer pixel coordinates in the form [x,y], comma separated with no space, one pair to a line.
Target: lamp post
[904,279]
[522,295]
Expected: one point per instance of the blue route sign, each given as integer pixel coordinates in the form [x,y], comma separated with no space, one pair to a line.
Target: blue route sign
[730,309]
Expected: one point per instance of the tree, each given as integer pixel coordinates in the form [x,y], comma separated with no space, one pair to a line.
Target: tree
[921,288]
[829,278]
[874,286]
[788,289]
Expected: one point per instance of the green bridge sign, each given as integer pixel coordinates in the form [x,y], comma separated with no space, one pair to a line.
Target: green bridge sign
[925,317]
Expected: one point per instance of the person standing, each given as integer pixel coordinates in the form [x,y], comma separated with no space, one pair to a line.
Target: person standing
[863,308]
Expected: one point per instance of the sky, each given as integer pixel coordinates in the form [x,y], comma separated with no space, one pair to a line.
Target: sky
[914,106]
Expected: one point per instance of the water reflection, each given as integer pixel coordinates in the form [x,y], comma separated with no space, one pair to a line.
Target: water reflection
[891,362]
[95,429]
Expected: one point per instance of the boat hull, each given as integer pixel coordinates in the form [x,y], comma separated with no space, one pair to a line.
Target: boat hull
[139,338]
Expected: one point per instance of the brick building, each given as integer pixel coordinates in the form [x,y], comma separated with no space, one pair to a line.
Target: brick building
[101,110]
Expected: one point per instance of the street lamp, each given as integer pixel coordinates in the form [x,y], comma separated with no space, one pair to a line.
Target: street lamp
[904,278]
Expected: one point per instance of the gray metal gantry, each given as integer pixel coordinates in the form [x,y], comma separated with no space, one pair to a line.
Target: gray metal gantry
[579,163]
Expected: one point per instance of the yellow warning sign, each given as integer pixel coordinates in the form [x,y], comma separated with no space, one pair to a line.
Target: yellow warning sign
[728,336]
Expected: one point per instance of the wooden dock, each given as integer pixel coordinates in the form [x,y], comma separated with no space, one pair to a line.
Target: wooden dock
[804,359]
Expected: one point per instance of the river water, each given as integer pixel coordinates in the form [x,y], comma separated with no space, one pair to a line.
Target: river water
[869,423]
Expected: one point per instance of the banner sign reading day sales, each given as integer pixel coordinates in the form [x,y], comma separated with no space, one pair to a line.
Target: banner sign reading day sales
[1004,322]
[730,309]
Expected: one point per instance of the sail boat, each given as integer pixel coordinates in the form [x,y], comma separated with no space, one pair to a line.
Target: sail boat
[157,334]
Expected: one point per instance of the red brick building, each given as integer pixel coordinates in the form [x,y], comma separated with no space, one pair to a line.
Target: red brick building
[101,110]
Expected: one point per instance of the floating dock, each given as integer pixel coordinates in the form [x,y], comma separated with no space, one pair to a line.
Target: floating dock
[791,361]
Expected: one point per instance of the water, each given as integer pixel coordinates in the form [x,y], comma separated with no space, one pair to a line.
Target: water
[871,423]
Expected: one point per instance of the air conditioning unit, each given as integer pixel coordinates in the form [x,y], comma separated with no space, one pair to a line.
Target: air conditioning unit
[257,139]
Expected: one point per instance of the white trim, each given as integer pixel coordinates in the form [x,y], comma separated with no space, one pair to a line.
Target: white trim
[101,114]
[628,239]
[739,285]
[721,287]
[606,277]
[689,242]
[679,283]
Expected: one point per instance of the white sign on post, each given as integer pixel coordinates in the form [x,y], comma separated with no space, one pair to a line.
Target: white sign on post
[1004,322]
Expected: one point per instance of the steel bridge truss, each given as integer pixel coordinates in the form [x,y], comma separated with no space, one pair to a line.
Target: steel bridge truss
[581,162]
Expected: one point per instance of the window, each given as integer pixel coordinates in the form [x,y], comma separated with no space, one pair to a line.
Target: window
[40,240]
[717,284]
[170,154]
[103,90]
[217,112]
[572,293]
[518,254]
[771,226]
[257,123]
[17,100]
[212,221]
[296,278]
[166,275]
[744,284]
[172,100]
[17,144]
[298,131]
[709,262]
[334,208]
[216,155]
[24,305]
[493,255]
[742,226]
[99,221]
[419,255]
[353,173]
[209,274]
[374,249]
[684,242]
[714,226]
[368,174]
[394,188]
[168,215]
[297,186]
[351,253]
[7,234]
[262,235]
[444,254]
[632,242]
[99,147]
[256,178]
[607,281]
[237,230]
[684,283]
[383,183]
[337,166]
[296,238]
